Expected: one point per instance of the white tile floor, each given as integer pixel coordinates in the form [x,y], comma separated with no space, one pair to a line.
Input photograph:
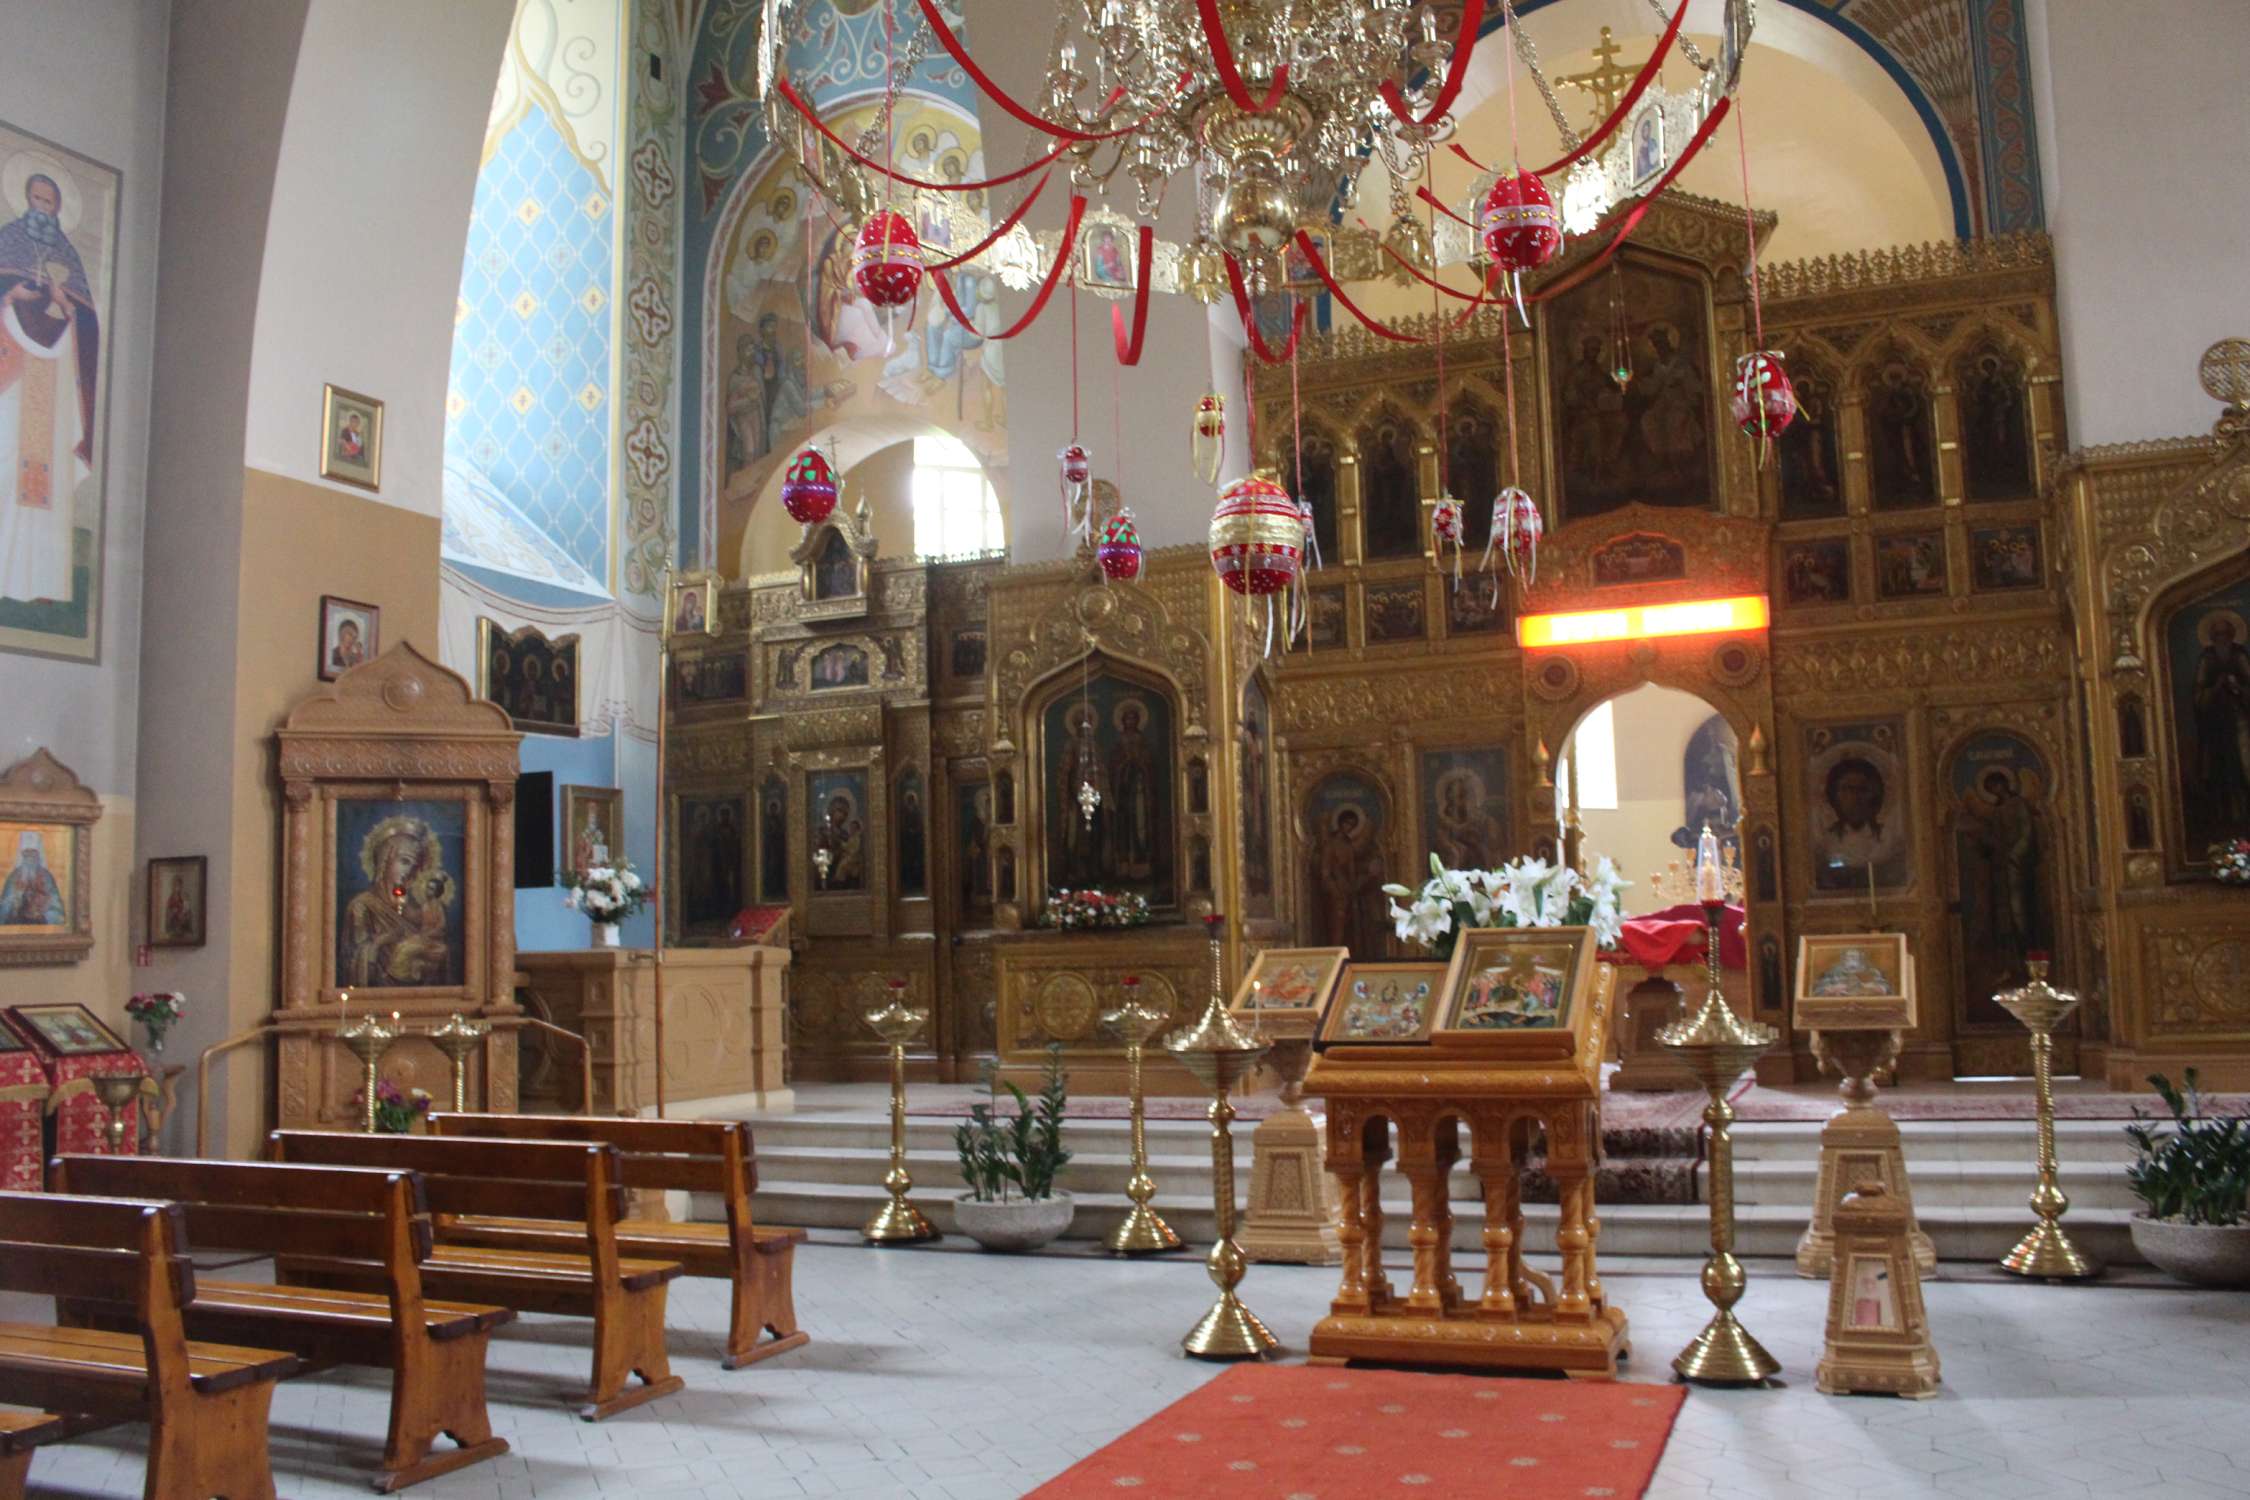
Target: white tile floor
[947,1375]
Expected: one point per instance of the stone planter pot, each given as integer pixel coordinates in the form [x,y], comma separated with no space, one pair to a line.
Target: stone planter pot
[1013,1226]
[2205,1254]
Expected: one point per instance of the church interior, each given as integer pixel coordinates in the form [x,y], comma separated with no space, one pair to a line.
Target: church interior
[1266,748]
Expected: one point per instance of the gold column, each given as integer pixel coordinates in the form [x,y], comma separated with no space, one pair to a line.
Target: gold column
[898,1222]
[1141,1231]
[2045,1251]
[1718,1047]
[1222,1055]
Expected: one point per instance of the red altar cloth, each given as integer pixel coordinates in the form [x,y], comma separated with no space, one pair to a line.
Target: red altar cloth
[23,1110]
[81,1119]
[1675,935]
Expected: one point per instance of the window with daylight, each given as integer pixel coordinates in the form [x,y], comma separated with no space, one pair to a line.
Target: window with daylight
[955,510]
[1595,757]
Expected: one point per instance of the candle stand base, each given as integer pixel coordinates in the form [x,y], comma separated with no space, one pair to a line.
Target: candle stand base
[2045,1253]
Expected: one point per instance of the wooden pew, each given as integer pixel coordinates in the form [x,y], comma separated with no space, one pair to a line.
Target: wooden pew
[576,1184]
[697,1156]
[20,1432]
[205,1404]
[435,1351]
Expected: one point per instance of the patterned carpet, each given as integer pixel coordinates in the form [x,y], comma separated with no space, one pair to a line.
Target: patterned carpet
[1298,1430]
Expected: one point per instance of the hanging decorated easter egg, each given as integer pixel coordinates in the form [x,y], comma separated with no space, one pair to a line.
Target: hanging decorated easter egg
[1257,536]
[887,260]
[1764,401]
[1516,528]
[808,487]
[1519,225]
[1209,444]
[1119,547]
[1446,530]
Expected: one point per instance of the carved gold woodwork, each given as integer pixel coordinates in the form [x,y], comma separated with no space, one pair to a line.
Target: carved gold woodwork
[723,1035]
[42,791]
[2153,526]
[399,728]
[1056,988]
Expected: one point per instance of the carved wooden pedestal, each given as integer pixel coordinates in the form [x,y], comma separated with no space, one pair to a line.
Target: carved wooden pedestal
[723,1028]
[1858,1145]
[1292,1212]
[1519,1318]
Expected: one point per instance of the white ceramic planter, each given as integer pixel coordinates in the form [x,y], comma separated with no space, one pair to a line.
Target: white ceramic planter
[605,934]
[2205,1254]
[1017,1225]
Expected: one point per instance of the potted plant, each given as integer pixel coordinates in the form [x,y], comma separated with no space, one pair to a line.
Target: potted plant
[397,1111]
[607,894]
[1010,1166]
[1527,893]
[2194,1180]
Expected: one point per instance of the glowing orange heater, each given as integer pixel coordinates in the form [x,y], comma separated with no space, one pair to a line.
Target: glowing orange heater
[1644,621]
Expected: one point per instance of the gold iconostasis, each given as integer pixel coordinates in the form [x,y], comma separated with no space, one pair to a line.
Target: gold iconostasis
[2001,705]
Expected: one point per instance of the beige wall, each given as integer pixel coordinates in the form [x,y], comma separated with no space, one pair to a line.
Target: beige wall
[300,540]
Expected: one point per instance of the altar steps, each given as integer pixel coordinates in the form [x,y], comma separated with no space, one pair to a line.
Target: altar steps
[1971,1180]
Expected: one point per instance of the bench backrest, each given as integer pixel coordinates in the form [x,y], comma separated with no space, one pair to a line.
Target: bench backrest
[696,1156]
[311,1214]
[131,1252]
[569,1181]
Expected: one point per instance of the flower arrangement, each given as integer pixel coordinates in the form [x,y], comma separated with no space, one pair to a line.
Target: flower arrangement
[157,1010]
[605,893]
[1074,911]
[2230,861]
[396,1109]
[1528,893]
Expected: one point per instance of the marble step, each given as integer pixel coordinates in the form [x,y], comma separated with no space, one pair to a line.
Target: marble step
[1981,1233]
[1941,1183]
[1934,1141]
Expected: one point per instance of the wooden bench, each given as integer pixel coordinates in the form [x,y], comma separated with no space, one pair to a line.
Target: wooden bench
[359,1216]
[20,1432]
[697,1156]
[572,1183]
[205,1404]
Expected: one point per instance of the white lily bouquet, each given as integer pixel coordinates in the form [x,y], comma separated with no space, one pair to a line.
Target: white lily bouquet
[1527,893]
[605,893]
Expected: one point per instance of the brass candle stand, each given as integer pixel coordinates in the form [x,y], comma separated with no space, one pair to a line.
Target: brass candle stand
[1718,1046]
[1221,1055]
[2045,1252]
[457,1038]
[898,1222]
[1141,1231]
[116,1091]
[368,1039]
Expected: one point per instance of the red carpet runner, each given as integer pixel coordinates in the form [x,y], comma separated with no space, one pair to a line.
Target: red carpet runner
[1299,1432]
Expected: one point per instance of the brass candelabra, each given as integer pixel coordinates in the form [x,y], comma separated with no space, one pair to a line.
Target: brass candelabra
[2045,1251]
[1717,1046]
[116,1091]
[1141,1231]
[369,1038]
[898,1222]
[457,1038]
[1221,1054]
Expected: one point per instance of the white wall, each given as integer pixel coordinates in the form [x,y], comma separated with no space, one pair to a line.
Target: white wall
[2143,117]
[53,57]
[1155,400]
[1653,727]
[370,212]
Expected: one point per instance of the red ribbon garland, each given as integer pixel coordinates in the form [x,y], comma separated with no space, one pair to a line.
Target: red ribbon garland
[1046,288]
[998,230]
[1129,353]
[1250,326]
[1456,73]
[1430,198]
[1000,96]
[788,91]
[1222,60]
[1603,131]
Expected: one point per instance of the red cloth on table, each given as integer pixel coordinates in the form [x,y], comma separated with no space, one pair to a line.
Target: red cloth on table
[21,1141]
[82,1124]
[1675,935]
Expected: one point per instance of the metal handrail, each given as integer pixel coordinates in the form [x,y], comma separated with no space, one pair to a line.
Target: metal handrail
[500,1023]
